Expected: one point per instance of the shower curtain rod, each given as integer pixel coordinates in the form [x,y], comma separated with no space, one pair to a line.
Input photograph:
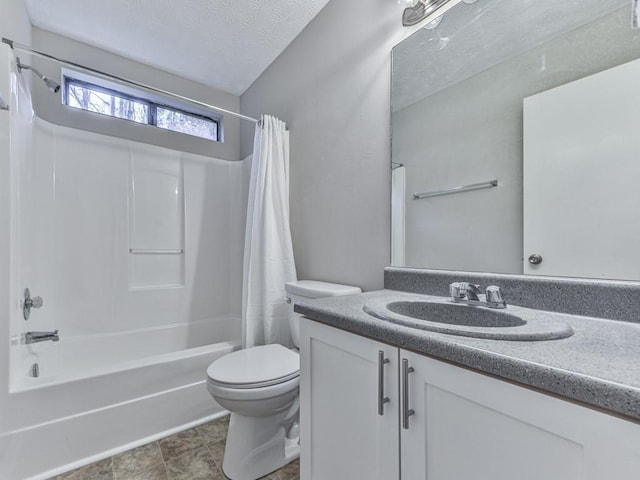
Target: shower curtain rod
[24,48]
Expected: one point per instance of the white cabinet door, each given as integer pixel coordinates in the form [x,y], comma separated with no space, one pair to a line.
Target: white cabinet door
[343,436]
[470,426]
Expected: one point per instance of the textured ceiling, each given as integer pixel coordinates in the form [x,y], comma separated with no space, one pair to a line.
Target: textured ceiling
[473,38]
[225,44]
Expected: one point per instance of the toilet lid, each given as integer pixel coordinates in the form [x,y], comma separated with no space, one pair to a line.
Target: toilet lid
[255,367]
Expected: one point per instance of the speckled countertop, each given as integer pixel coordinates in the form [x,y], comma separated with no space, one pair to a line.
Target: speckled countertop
[598,365]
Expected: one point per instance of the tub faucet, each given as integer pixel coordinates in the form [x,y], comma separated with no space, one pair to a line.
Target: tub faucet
[36,337]
[468,293]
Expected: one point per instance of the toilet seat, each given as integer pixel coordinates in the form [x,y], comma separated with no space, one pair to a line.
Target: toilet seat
[251,394]
[255,367]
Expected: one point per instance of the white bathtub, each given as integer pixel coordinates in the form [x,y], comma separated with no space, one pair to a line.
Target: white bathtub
[132,387]
[84,356]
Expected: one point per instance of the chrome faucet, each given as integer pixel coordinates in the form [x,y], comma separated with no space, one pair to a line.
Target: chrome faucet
[36,337]
[468,293]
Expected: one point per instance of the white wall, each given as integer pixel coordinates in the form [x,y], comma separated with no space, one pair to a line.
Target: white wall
[466,134]
[332,87]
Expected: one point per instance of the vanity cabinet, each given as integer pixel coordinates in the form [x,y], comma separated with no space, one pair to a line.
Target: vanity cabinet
[343,436]
[460,424]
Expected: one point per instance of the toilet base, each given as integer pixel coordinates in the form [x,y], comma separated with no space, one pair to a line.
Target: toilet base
[257,446]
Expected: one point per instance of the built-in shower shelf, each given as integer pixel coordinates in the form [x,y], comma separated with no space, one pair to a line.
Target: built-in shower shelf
[152,268]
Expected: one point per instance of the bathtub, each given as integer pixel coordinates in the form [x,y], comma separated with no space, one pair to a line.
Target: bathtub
[133,387]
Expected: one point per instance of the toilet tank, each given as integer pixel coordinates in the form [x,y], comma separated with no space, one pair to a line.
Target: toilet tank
[309,289]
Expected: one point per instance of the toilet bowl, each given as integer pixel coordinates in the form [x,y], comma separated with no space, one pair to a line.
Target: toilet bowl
[259,386]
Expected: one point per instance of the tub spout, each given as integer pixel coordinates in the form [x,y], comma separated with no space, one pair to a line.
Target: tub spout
[36,337]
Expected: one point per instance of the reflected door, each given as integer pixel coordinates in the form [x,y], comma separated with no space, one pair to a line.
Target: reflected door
[582,177]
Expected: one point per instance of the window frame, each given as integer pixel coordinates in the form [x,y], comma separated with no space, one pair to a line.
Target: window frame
[152,102]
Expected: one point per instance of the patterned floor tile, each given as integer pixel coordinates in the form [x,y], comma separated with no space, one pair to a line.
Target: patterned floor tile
[290,471]
[131,462]
[158,472]
[217,452]
[194,465]
[96,471]
[180,443]
[215,431]
[194,454]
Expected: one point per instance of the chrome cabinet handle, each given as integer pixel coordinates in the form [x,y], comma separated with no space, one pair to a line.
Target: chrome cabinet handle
[381,398]
[406,411]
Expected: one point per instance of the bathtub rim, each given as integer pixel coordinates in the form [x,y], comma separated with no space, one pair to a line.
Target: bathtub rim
[98,372]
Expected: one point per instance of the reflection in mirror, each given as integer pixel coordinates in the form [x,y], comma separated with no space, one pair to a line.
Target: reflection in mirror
[536,105]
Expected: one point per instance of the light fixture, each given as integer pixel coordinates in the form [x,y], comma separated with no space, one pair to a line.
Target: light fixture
[431,10]
[419,10]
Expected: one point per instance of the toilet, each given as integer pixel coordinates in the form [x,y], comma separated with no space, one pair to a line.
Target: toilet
[259,386]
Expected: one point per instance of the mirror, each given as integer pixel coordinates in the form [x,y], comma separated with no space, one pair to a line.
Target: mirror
[514,140]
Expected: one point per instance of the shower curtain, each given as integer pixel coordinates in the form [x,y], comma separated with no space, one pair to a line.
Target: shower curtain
[268,251]
[398,187]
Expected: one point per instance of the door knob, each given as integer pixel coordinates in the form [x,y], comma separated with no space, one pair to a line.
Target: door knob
[535,259]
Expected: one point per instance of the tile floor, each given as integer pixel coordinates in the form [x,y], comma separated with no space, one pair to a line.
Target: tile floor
[194,454]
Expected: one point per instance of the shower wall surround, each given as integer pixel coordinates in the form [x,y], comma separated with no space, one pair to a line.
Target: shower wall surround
[135,337]
[127,235]
[156,222]
[137,252]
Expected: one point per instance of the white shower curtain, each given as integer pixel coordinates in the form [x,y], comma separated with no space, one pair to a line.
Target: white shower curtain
[398,187]
[268,251]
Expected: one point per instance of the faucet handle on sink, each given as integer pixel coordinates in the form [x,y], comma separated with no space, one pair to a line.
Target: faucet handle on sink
[455,291]
[472,291]
[462,290]
[495,298]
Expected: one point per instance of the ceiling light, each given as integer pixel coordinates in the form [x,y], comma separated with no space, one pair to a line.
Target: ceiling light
[421,10]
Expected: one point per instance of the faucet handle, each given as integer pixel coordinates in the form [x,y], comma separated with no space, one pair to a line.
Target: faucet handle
[472,291]
[495,298]
[460,290]
[455,290]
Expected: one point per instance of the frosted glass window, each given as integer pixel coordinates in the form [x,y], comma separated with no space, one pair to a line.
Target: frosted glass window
[144,109]
[186,123]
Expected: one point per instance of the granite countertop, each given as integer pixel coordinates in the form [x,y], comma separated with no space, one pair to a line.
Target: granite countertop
[598,365]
